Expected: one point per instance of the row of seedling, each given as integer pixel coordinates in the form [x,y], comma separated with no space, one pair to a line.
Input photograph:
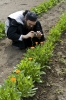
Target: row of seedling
[21,83]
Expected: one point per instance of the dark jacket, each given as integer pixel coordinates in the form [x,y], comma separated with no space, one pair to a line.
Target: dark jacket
[16,29]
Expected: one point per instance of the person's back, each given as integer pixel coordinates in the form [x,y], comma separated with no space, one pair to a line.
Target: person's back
[18,16]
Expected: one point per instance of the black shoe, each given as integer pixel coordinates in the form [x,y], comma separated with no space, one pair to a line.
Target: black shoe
[15,47]
[18,45]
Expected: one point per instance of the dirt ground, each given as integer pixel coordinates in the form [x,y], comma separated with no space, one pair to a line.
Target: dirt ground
[54,86]
[9,6]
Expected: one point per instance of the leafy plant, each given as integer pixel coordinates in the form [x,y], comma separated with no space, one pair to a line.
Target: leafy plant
[2,30]
[31,68]
[8,90]
[25,85]
[63,60]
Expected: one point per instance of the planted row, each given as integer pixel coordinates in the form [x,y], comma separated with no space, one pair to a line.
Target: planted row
[43,7]
[21,82]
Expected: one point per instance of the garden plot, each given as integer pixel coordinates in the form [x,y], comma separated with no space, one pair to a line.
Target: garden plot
[54,87]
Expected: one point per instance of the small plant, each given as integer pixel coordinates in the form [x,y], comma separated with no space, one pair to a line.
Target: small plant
[59,91]
[25,85]
[2,30]
[31,68]
[8,90]
[63,60]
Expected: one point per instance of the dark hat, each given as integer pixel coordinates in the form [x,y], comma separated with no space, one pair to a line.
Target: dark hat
[31,16]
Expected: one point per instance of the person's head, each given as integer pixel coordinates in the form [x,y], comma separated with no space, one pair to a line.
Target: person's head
[30,19]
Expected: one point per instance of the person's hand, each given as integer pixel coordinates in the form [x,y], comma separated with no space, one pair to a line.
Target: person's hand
[30,34]
[38,34]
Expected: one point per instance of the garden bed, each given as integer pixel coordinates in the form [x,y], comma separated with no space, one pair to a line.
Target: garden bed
[54,86]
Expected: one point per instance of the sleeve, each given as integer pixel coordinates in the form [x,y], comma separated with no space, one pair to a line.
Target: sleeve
[20,39]
[38,27]
[12,31]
